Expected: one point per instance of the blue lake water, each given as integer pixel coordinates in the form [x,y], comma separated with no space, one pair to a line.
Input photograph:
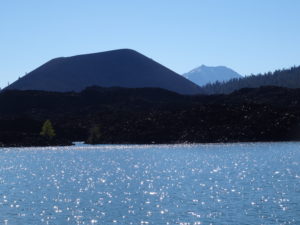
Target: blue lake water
[151,184]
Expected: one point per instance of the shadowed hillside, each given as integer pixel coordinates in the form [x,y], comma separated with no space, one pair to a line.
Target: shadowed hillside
[149,115]
[118,68]
[289,78]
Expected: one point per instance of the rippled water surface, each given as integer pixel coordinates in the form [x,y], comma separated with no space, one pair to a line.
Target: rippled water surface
[151,184]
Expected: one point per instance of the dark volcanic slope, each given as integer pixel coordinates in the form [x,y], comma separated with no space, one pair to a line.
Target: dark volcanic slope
[122,68]
[149,115]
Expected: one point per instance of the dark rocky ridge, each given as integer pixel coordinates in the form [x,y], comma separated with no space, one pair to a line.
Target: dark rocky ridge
[119,68]
[150,115]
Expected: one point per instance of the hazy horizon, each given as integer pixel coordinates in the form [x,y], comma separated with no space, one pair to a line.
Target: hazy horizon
[249,37]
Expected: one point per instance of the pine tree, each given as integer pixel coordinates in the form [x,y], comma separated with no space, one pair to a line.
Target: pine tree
[95,135]
[47,130]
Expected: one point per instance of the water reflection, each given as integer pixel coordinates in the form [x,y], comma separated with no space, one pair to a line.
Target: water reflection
[151,184]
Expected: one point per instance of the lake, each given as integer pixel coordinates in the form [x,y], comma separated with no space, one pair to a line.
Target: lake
[251,183]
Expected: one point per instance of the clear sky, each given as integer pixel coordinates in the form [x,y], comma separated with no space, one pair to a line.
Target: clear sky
[249,36]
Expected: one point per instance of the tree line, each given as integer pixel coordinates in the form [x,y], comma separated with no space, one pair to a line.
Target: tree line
[289,78]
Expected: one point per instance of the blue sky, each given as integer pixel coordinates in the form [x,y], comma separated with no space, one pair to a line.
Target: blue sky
[250,36]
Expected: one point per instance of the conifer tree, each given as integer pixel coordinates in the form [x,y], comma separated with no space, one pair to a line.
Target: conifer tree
[47,130]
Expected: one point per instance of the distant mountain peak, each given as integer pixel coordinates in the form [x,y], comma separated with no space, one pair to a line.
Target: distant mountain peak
[203,74]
